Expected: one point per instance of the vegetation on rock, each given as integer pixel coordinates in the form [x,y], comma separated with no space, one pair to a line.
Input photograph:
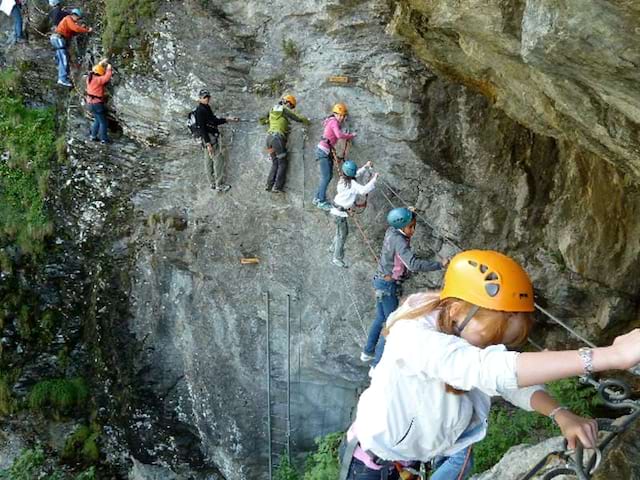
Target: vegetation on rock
[124,19]
[28,148]
[32,464]
[60,396]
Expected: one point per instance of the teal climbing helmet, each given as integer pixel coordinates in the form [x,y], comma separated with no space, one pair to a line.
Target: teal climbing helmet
[54,3]
[77,11]
[349,168]
[400,217]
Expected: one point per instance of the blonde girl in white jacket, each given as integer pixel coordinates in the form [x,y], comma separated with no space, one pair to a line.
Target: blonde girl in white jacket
[445,357]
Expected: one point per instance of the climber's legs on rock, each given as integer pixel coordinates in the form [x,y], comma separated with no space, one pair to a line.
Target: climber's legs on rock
[276,144]
[326,173]
[386,302]
[99,127]
[342,231]
[218,168]
[16,14]
[62,59]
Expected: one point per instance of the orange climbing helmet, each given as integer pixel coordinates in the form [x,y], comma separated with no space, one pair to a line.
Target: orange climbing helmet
[489,280]
[290,99]
[99,69]
[340,109]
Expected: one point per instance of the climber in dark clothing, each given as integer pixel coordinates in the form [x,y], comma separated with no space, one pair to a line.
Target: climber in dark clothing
[396,262]
[208,124]
[57,13]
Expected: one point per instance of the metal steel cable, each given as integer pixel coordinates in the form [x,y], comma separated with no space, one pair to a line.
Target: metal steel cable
[355,305]
[366,239]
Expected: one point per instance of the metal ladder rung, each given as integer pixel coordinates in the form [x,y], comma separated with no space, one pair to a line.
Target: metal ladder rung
[278,385]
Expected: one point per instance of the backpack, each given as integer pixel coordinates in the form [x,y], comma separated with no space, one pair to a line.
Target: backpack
[192,125]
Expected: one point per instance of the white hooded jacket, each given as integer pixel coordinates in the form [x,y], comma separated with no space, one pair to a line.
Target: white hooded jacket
[406,414]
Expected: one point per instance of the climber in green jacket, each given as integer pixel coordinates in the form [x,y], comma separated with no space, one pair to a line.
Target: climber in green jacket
[279,128]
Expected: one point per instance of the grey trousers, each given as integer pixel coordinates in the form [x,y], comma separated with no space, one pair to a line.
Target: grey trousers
[342,230]
[214,165]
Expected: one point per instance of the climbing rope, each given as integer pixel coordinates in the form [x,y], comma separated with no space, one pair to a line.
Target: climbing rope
[355,306]
[366,239]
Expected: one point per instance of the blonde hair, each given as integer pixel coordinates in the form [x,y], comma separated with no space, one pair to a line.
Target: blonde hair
[494,323]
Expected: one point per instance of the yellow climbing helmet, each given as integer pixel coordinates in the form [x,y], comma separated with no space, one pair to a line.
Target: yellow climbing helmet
[340,109]
[290,99]
[99,69]
[489,280]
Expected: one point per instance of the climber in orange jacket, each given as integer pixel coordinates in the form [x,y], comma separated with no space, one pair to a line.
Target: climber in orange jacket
[97,80]
[65,31]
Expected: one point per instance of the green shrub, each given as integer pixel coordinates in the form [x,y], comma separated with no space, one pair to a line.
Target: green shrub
[89,474]
[26,467]
[324,464]
[63,396]
[579,398]
[28,135]
[30,465]
[124,21]
[290,49]
[82,445]
[285,470]
[7,402]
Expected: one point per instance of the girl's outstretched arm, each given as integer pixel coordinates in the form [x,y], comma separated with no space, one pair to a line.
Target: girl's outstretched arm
[542,367]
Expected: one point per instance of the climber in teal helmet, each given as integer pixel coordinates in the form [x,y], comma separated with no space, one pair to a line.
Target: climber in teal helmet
[347,192]
[396,262]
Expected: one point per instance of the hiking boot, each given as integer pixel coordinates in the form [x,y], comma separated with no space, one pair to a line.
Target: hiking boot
[365,357]
[267,188]
[105,142]
[223,188]
[94,139]
[315,202]
[277,190]
[339,263]
[324,206]
[65,84]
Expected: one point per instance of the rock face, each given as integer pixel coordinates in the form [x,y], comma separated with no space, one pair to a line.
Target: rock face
[523,143]
[561,69]
[480,178]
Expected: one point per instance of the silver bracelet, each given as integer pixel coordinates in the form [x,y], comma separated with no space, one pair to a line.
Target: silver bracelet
[586,355]
[554,412]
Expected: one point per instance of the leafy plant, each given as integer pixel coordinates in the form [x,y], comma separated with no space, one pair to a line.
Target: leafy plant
[285,470]
[30,465]
[61,395]
[579,398]
[81,445]
[324,464]
[290,48]
[26,467]
[7,402]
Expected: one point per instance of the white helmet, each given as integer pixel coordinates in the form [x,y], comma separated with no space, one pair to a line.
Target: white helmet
[54,3]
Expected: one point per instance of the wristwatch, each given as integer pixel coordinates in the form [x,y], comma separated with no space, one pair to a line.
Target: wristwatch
[586,355]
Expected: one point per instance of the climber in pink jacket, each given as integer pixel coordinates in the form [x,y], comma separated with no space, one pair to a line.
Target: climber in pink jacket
[324,151]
